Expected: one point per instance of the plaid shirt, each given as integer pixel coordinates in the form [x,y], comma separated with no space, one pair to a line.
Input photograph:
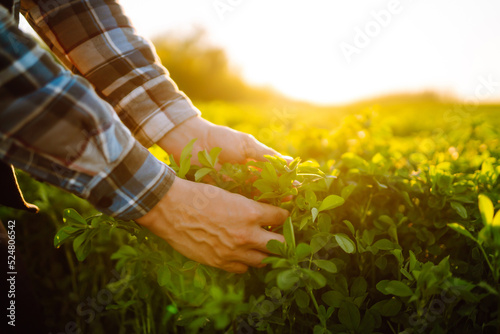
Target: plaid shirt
[86,133]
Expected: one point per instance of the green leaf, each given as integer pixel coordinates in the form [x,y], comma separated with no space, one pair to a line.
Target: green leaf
[324,222]
[286,182]
[326,265]
[214,155]
[81,245]
[79,240]
[388,221]
[395,288]
[63,234]
[310,197]
[289,234]
[264,186]
[276,247]
[350,226]
[201,173]
[349,315]
[352,160]
[486,209]
[317,278]
[407,199]
[384,244]
[331,202]
[459,208]
[347,191]
[125,251]
[387,308]
[163,275]
[84,251]
[200,280]
[269,173]
[287,279]
[319,241]
[462,230]
[301,298]
[304,222]
[488,288]
[302,251]
[187,150]
[268,195]
[71,216]
[314,213]
[413,261]
[184,168]
[496,220]
[333,298]
[358,287]
[345,243]
[368,323]
[294,164]
[205,159]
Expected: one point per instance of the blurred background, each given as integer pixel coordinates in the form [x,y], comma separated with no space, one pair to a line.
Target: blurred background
[323,51]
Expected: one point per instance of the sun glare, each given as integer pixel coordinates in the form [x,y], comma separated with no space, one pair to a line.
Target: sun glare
[334,52]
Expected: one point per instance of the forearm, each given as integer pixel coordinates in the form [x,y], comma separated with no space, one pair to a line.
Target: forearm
[122,66]
[54,126]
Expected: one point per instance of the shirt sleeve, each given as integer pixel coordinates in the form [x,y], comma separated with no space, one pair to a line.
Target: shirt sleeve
[96,40]
[54,126]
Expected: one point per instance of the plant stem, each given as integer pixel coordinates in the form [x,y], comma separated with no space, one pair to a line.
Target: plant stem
[367,207]
[489,263]
[313,299]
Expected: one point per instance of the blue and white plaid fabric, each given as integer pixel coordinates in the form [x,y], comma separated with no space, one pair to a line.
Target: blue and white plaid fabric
[86,133]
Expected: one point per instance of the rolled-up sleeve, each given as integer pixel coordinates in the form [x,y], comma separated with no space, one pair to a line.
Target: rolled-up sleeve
[96,40]
[54,126]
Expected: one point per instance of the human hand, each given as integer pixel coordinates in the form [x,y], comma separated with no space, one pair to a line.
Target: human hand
[213,226]
[237,147]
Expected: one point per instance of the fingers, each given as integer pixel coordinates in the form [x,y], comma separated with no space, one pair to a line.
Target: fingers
[235,267]
[254,149]
[269,215]
[251,257]
[264,237]
[248,258]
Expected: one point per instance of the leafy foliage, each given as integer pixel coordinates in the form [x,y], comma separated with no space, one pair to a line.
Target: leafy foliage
[371,243]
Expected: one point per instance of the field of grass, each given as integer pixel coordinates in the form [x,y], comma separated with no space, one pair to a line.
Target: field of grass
[392,233]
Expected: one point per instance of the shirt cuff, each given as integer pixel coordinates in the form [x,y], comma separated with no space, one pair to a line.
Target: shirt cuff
[134,186]
[163,119]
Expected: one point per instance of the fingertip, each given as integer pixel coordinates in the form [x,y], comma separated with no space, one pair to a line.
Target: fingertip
[237,268]
[280,238]
[284,215]
[287,158]
[270,215]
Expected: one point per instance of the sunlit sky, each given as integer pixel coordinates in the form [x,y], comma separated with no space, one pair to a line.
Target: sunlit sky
[296,46]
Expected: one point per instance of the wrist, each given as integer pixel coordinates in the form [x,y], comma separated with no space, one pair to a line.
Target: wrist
[158,213]
[175,140]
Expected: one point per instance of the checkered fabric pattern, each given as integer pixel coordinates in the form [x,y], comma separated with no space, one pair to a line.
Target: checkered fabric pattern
[64,128]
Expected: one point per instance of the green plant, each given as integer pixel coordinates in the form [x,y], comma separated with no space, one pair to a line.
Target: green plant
[369,248]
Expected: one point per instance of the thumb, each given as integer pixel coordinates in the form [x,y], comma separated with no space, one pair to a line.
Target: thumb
[254,149]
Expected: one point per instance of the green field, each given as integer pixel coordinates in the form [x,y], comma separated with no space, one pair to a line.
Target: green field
[387,232]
